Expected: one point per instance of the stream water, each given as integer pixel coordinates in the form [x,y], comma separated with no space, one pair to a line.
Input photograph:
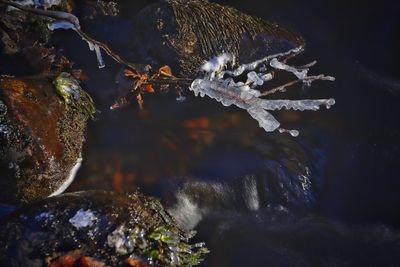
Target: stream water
[326,198]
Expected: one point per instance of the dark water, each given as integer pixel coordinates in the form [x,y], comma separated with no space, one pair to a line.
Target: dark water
[327,198]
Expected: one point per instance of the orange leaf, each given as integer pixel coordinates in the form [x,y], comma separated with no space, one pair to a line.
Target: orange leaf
[148,88]
[166,71]
[129,73]
[143,77]
[136,262]
[90,262]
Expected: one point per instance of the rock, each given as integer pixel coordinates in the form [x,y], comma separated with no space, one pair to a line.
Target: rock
[41,137]
[24,37]
[183,34]
[96,226]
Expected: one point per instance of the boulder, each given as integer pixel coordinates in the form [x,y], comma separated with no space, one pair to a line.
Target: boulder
[41,136]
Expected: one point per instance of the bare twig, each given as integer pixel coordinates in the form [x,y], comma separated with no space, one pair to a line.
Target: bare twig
[306,66]
[64,16]
[171,81]
[308,78]
[112,54]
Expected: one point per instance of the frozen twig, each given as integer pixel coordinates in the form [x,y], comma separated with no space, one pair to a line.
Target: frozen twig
[221,83]
[65,20]
[281,88]
[255,64]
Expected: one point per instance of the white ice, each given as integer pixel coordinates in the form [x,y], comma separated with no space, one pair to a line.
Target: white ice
[218,83]
[83,219]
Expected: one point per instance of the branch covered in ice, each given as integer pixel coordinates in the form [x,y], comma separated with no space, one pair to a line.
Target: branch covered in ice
[68,21]
[221,83]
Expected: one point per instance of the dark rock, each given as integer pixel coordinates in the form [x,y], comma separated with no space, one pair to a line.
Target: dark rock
[183,34]
[23,39]
[105,227]
[41,138]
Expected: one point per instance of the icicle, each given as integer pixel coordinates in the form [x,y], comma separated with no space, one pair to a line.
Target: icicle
[218,83]
[96,48]
[253,65]
[300,74]
[100,61]
[301,105]
[293,133]
[61,24]
[67,25]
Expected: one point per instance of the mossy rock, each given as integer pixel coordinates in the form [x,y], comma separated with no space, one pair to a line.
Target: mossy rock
[108,228]
[41,138]
[183,34]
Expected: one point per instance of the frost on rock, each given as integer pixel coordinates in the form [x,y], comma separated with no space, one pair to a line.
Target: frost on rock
[120,241]
[222,82]
[83,219]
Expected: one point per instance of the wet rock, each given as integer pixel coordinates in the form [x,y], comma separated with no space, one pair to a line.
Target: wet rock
[41,137]
[102,227]
[183,34]
[24,36]
[20,29]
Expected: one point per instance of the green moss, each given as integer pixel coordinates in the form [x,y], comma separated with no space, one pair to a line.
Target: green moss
[168,247]
[73,94]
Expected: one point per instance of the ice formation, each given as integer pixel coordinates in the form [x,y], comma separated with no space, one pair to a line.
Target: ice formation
[83,219]
[120,241]
[67,25]
[220,82]
[96,48]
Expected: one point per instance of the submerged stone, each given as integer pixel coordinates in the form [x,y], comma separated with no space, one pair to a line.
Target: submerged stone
[183,34]
[108,228]
[41,137]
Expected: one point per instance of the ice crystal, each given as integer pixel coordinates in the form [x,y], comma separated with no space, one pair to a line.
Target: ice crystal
[220,82]
[67,25]
[83,219]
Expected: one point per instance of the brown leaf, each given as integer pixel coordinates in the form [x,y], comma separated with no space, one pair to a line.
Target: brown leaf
[166,71]
[136,262]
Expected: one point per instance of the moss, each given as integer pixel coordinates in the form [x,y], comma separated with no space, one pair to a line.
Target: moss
[45,137]
[186,33]
[121,227]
